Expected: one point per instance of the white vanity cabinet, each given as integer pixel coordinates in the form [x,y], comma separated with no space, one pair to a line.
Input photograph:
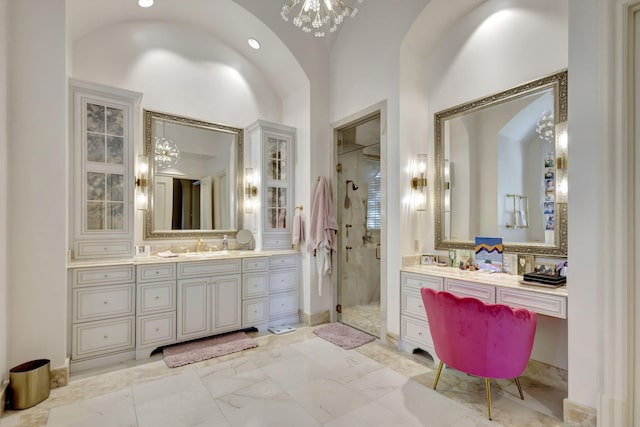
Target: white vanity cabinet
[101,176]
[156,307]
[273,145]
[255,292]
[414,327]
[103,308]
[283,289]
[208,298]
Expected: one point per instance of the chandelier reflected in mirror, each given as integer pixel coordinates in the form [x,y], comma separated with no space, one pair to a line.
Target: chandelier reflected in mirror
[166,153]
[316,15]
[545,127]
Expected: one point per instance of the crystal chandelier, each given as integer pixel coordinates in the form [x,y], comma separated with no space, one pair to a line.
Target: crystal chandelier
[545,127]
[313,15]
[166,153]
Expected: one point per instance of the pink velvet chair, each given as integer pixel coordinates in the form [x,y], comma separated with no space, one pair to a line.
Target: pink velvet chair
[485,340]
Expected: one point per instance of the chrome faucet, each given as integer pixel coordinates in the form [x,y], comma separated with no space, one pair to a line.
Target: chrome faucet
[199,245]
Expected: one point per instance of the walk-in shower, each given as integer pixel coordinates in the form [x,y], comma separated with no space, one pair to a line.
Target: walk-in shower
[359,220]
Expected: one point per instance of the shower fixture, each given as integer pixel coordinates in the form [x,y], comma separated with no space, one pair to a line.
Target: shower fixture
[347,200]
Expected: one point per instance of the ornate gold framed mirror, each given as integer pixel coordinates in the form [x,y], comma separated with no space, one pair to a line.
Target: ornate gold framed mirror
[501,169]
[195,177]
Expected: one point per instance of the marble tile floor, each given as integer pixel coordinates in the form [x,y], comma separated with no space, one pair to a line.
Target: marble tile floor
[365,317]
[296,379]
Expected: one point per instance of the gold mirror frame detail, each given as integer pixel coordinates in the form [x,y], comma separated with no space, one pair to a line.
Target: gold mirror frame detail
[149,233]
[558,82]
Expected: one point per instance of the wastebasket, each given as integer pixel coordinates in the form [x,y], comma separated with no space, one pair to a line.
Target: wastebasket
[29,384]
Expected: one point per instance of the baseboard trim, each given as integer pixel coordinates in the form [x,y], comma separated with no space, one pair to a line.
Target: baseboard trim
[313,319]
[576,414]
[60,376]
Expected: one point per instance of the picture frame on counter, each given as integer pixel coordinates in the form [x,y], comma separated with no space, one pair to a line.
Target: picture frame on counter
[428,259]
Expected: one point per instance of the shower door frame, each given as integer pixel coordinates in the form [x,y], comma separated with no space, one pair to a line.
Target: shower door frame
[379,109]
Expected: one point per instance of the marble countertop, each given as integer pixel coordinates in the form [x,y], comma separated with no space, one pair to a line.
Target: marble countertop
[496,279]
[184,257]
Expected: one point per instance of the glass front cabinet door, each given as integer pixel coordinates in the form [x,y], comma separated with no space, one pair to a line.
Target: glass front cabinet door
[276,143]
[102,174]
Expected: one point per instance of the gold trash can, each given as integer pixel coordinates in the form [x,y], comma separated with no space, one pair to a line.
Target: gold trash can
[29,384]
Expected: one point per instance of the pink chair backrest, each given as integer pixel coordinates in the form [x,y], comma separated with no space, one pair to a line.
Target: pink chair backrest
[486,340]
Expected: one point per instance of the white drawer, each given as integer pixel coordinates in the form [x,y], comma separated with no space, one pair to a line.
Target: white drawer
[156,272]
[119,248]
[102,302]
[283,304]
[157,329]
[255,264]
[279,242]
[208,268]
[484,293]
[417,281]
[93,276]
[254,312]
[97,338]
[551,305]
[283,261]
[156,297]
[255,285]
[416,332]
[412,305]
[285,280]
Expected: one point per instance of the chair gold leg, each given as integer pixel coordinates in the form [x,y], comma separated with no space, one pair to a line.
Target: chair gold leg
[435,382]
[517,380]
[487,386]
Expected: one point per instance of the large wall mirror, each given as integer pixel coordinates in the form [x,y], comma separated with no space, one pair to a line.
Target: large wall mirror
[195,177]
[501,169]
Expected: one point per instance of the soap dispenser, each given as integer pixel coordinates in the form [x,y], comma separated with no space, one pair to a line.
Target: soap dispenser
[225,243]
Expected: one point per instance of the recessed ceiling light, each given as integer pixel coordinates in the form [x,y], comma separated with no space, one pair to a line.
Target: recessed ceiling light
[253,43]
[145,3]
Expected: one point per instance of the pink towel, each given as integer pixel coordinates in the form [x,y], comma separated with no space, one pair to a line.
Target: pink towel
[298,229]
[322,230]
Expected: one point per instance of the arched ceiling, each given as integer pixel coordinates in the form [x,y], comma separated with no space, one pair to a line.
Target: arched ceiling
[223,19]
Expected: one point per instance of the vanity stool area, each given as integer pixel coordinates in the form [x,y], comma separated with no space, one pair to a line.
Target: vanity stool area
[125,309]
[550,344]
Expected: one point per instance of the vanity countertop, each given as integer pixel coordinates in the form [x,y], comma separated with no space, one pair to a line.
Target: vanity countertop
[191,257]
[496,279]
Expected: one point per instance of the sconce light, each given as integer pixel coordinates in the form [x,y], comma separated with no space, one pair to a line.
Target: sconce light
[251,191]
[419,182]
[142,183]
[562,163]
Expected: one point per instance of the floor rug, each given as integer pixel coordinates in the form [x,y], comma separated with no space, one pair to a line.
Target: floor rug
[343,336]
[208,348]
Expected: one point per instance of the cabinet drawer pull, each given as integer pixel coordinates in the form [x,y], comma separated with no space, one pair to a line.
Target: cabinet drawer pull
[106,275]
[106,336]
[420,333]
[157,329]
[157,297]
[105,303]
[157,272]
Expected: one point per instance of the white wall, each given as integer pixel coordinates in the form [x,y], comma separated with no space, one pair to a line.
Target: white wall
[364,71]
[37,170]
[3,189]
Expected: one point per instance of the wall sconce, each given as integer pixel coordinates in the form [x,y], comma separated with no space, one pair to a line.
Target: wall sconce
[142,183]
[419,182]
[251,191]
[562,162]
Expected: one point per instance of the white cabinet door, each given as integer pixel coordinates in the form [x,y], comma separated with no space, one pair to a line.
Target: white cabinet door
[226,314]
[194,308]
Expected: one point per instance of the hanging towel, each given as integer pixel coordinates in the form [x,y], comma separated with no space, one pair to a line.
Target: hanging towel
[322,230]
[298,229]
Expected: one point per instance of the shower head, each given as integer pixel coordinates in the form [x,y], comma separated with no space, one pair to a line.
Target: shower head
[354,186]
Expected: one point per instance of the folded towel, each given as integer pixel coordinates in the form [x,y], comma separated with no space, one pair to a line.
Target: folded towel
[298,229]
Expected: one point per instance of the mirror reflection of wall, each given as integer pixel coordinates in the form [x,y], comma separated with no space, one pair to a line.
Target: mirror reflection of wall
[193,192]
[498,152]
